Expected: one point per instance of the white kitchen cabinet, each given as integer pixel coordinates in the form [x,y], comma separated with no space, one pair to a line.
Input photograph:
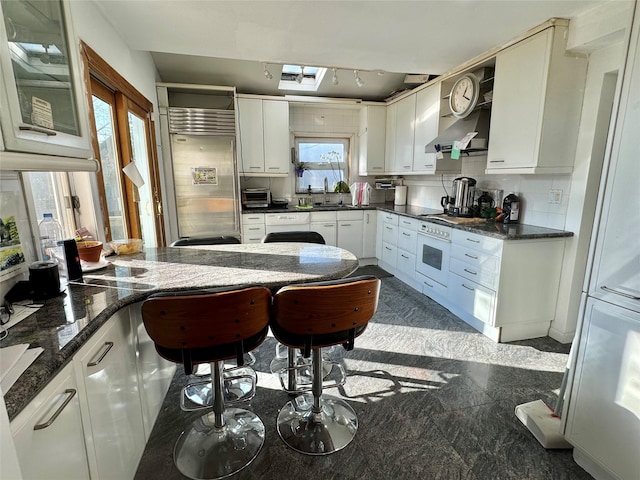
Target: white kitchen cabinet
[43,103]
[48,434]
[371,139]
[404,135]
[427,128]
[110,400]
[390,138]
[379,230]
[286,222]
[253,228]
[603,421]
[399,243]
[325,224]
[154,372]
[537,100]
[263,137]
[350,231]
[369,233]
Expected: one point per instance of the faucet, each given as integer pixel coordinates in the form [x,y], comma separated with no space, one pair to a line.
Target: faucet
[326,187]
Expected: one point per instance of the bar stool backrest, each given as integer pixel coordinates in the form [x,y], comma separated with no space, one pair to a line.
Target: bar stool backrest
[214,240]
[302,236]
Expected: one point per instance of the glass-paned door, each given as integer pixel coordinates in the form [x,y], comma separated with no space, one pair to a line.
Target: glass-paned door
[104,116]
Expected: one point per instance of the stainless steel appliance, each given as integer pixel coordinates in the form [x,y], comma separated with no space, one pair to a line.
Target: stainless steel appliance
[464,193]
[204,171]
[434,246]
[256,198]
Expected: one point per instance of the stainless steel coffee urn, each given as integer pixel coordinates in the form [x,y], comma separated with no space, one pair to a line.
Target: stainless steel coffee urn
[464,192]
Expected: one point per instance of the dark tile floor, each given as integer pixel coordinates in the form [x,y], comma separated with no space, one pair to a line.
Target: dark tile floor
[435,399]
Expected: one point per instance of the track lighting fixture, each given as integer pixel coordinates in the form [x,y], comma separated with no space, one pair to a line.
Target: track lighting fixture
[359,81]
[334,78]
[266,72]
[300,76]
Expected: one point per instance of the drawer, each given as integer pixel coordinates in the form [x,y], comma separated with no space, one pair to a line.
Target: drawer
[350,215]
[323,216]
[473,298]
[390,218]
[476,258]
[488,278]
[253,230]
[301,218]
[406,263]
[432,288]
[407,239]
[251,218]
[488,245]
[251,238]
[390,234]
[389,254]
[408,223]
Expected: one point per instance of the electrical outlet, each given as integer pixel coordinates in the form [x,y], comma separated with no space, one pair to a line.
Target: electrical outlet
[555,196]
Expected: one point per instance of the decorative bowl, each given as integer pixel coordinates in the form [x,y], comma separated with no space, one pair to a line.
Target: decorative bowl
[90,250]
[127,246]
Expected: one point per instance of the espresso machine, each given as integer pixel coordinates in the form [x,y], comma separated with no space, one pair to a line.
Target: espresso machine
[464,193]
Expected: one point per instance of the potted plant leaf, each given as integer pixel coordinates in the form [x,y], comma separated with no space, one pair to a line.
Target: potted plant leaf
[299,168]
[341,187]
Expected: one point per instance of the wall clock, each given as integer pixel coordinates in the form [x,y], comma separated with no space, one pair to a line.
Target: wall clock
[464,95]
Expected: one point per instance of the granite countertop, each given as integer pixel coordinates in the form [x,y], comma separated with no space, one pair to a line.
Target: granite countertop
[65,322]
[482,227]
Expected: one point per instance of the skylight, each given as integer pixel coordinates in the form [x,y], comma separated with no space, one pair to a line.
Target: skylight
[301,78]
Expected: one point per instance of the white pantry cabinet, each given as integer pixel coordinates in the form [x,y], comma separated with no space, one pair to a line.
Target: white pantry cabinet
[42,95]
[48,433]
[110,400]
[371,149]
[403,136]
[263,137]
[537,100]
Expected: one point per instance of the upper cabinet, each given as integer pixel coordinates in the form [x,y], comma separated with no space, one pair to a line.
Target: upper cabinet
[263,137]
[400,131]
[44,104]
[537,99]
[371,150]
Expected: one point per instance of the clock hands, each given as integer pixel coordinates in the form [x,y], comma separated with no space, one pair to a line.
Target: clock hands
[464,94]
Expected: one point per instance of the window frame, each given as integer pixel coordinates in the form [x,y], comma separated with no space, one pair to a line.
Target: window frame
[344,171]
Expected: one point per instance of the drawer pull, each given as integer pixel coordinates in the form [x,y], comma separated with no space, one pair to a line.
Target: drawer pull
[345,224]
[469,271]
[468,288]
[428,284]
[388,248]
[389,228]
[496,161]
[404,256]
[330,225]
[472,240]
[471,256]
[406,234]
[255,167]
[623,294]
[429,165]
[274,168]
[109,346]
[255,228]
[71,392]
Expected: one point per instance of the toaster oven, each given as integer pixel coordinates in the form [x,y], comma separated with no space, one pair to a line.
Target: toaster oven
[256,198]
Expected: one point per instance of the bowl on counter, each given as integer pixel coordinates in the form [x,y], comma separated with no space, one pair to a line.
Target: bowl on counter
[89,250]
[127,246]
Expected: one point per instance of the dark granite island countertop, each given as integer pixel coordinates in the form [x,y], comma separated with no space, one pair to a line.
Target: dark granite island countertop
[65,322]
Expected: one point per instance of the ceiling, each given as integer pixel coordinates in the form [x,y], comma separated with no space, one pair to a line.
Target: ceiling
[227,42]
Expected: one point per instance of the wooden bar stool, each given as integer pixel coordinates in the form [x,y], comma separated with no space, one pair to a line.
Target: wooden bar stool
[308,317]
[210,326]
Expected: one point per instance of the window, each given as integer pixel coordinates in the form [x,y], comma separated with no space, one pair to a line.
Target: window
[321,158]
[301,78]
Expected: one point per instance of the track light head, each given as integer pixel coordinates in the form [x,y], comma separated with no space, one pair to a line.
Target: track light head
[334,78]
[359,81]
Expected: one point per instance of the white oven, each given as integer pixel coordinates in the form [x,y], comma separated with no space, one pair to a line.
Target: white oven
[434,246]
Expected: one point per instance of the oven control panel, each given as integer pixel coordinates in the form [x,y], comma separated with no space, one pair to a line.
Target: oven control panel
[437,231]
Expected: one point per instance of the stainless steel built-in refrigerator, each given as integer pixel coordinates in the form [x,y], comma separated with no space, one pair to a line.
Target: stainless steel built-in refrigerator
[204,171]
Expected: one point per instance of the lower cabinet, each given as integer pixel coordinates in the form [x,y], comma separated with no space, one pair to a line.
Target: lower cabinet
[350,231]
[369,233]
[324,223]
[110,400]
[48,434]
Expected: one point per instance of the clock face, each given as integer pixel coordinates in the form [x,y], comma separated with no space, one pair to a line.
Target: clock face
[464,96]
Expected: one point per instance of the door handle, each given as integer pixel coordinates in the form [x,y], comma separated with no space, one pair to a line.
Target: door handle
[623,294]
[109,346]
[34,129]
[470,256]
[469,271]
[71,393]
[468,288]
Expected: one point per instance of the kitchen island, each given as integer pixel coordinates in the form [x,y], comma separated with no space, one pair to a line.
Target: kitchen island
[66,322]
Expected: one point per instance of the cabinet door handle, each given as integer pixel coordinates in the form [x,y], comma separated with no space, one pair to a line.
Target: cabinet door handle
[472,240]
[430,165]
[496,161]
[345,224]
[406,167]
[404,256]
[71,393]
[469,271]
[471,256]
[35,129]
[468,288]
[109,346]
[428,284]
[330,225]
[623,294]
[254,167]
[388,248]
[389,228]
[406,234]
[255,228]
[274,168]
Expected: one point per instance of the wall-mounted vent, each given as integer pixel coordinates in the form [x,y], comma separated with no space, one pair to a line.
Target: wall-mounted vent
[202,121]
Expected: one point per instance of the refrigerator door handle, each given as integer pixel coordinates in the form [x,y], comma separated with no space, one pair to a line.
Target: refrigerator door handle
[627,295]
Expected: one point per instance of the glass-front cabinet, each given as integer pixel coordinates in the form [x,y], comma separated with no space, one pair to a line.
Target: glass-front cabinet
[44,107]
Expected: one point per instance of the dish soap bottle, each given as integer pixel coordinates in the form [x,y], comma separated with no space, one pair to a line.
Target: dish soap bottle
[511,208]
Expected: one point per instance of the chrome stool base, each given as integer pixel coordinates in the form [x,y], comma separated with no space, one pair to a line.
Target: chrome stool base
[317,433]
[237,388]
[207,452]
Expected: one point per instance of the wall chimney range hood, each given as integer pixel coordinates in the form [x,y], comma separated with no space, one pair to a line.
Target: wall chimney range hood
[476,122]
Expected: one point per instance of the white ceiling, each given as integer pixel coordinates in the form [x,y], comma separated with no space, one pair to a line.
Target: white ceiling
[225,42]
